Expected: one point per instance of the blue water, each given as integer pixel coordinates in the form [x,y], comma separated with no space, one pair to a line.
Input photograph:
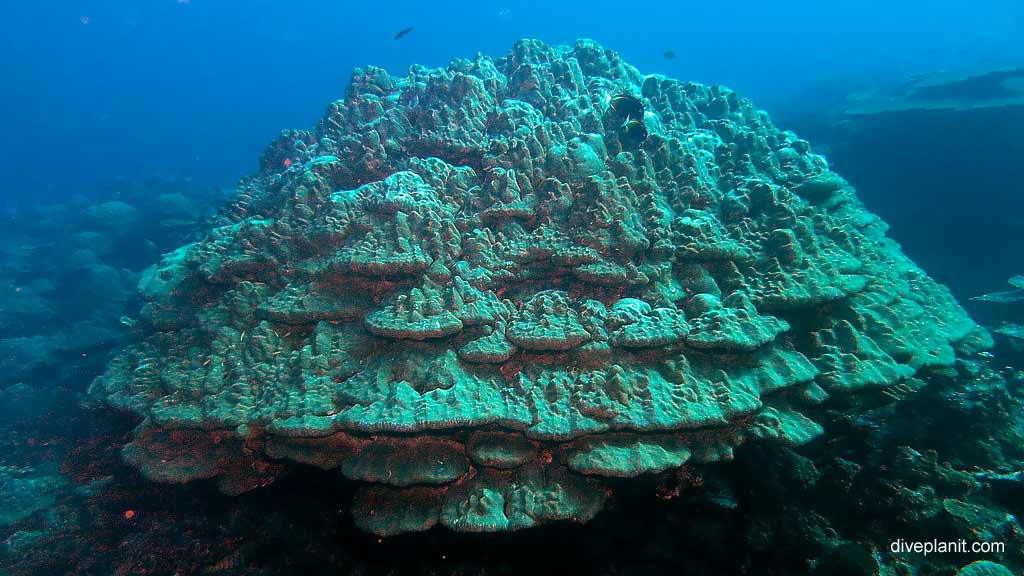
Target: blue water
[194,89]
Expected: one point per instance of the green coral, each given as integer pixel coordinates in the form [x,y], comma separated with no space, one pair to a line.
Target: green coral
[467,290]
[984,568]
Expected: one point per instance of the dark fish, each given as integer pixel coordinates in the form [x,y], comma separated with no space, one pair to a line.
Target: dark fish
[669,54]
[632,133]
[628,106]
[403,33]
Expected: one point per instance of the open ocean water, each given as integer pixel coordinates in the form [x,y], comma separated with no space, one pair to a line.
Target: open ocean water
[608,288]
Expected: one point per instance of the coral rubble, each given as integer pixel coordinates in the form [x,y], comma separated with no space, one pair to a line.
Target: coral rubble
[472,290]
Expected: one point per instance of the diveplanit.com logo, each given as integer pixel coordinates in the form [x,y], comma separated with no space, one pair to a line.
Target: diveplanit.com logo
[901,546]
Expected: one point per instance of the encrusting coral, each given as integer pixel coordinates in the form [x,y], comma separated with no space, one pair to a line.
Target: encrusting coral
[466,289]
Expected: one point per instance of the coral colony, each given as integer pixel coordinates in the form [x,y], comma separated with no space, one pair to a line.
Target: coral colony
[483,291]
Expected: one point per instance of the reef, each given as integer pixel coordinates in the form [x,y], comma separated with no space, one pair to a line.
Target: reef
[1009,333]
[68,275]
[476,293]
[1014,294]
[983,90]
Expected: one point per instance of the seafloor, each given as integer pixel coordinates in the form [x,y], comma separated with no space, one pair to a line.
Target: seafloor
[534,314]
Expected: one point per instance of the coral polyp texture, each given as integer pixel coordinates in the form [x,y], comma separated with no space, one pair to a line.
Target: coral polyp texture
[471,290]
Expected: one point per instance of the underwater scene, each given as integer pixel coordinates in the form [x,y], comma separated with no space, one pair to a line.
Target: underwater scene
[512,287]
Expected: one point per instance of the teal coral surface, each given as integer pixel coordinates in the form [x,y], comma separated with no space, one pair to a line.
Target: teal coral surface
[464,288]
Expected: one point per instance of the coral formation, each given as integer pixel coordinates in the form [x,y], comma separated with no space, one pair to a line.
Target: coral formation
[1011,332]
[1015,294]
[984,568]
[68,275]
[990,89]
[473,289]
[24,491]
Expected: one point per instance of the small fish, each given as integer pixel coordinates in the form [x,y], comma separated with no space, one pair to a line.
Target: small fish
[628,106]
[669,54]
[632,133]
[403,33]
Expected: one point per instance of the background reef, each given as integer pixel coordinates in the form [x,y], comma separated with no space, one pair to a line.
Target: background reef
[920,152]
[802,325]
[69,273]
